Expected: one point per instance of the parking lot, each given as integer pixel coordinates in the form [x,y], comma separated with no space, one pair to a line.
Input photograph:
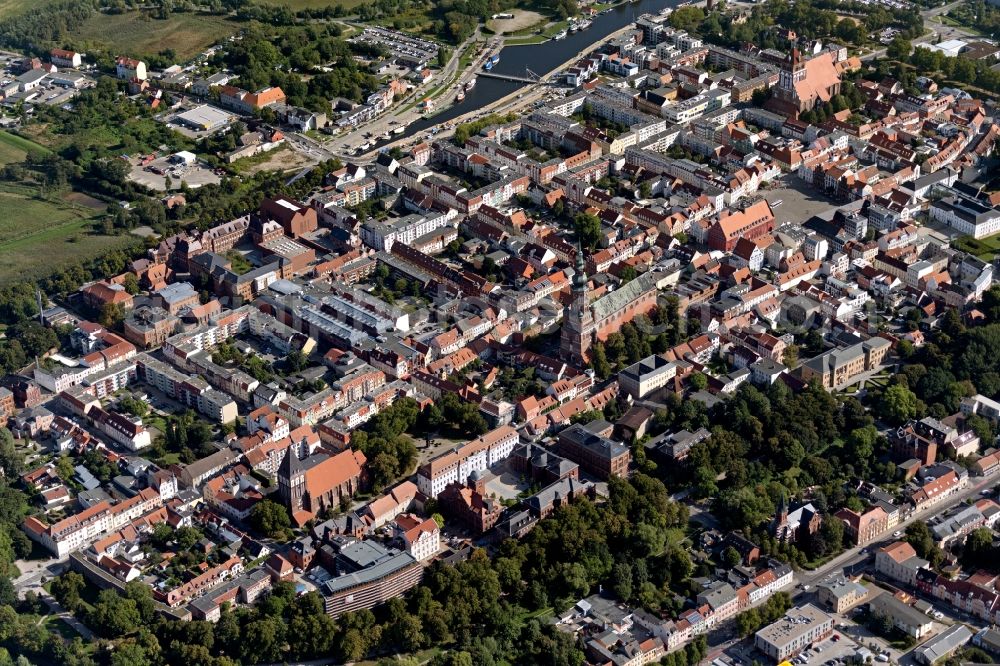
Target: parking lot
[154,175]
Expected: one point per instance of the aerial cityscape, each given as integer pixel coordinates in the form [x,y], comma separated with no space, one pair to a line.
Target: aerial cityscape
[464,333]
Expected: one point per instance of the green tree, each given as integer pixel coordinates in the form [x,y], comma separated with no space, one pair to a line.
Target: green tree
[270,519]
[599,361]
[114,616]
[899,404]
[698,381]
[588,230]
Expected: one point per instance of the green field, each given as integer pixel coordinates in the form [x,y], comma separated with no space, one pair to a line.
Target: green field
[38,235]
[14,149]
[137,33]
[14,7]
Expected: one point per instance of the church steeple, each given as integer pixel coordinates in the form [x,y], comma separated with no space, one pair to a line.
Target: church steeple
[578,321]
[580,274]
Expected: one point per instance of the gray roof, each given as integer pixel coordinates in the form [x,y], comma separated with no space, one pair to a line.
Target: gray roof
[943,644]
[370,574]
[619,298]
[898,611]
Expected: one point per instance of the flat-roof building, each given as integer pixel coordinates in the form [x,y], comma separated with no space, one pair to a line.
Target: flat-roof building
[801,627]
[204,118]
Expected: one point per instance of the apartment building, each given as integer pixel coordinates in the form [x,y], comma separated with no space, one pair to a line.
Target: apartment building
[801,627]
[80,529]
[647,376]
[899,561]
[189,390]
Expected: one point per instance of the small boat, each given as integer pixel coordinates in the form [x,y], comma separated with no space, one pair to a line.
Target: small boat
[573,27]
[460,97]
[488,65]
[470,84]
[583,25]
[387,135]
[399,130]
[559,35]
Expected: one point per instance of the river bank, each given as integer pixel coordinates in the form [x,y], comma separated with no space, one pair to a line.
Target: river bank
[516,99]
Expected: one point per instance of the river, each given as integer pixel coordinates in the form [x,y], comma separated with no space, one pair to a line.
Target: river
[541,59]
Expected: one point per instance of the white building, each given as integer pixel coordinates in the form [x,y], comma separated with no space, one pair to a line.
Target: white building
[422,538]
[458,465]
[966,215]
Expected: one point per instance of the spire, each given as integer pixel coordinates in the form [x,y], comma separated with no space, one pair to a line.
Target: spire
[580,274]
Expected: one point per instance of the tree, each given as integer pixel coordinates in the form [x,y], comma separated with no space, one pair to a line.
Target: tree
[114,616]
[131,283]
[111,314]
[11,460]
[731,557]
[270,518]
[698,381]
[66,589]
[979,551]
[588,230]
[899,404]
[790,357]
[599,361]
[296,360]
[899,48]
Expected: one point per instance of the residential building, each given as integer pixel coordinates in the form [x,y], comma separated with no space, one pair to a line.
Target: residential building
[801,627]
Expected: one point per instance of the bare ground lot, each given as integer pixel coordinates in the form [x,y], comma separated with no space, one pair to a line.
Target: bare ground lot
[284,158]
[522,19]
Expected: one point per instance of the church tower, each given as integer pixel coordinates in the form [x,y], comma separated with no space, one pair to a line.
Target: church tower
[292,482]
[779,527]
[578,321]
[792,72]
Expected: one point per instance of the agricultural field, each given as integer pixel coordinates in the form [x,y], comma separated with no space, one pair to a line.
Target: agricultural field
[57,228]
[138,34]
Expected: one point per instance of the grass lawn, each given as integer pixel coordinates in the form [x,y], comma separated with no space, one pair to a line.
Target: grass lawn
[984,248]
[144,130]
[137,33]
[541,612]
[56,624]
[14,148]
[32,228]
